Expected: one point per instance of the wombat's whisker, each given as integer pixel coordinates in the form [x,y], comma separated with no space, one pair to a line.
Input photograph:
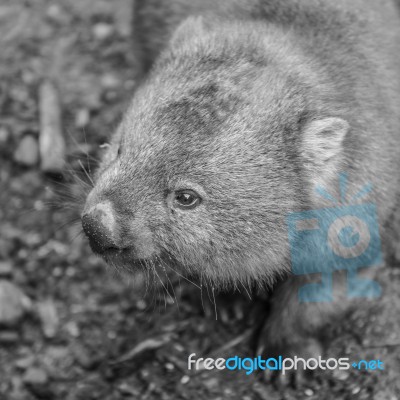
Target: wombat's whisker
[163,264]
[86,173]
[214,302]
[87,154]
[247,290]
[165,289]
[155,286]
[68,223]
[95,160]
[183,277]
[81,149]
[80,233]
[76,177]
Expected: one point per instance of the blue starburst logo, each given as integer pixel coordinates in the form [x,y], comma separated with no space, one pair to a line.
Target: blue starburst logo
[342,237]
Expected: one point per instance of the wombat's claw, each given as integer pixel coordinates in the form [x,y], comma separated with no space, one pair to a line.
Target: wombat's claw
[306,348]
[294,379]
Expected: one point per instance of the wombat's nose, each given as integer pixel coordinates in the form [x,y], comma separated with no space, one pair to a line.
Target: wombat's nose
[99,225]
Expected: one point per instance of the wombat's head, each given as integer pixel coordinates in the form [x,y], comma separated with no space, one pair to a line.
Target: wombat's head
[215,150]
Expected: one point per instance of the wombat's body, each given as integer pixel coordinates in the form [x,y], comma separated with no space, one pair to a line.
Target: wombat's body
[246,105]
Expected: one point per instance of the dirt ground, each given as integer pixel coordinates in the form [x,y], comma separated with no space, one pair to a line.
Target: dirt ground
[85,332]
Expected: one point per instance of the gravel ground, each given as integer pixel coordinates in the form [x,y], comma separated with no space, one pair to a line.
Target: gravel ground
[69,327]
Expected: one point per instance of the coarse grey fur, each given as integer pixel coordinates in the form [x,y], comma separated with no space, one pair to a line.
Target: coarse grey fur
[251,103]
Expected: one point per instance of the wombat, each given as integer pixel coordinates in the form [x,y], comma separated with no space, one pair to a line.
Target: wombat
[244,107]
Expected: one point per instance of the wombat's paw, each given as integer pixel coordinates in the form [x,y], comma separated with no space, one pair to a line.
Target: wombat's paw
[288,375]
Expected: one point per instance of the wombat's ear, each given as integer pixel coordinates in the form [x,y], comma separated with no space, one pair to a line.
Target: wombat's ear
[189,28]
[323,139]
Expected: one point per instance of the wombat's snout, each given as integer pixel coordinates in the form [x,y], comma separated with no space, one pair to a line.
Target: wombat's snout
[99,226]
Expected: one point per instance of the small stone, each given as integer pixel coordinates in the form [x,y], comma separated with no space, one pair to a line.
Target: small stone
[141,305]
[179,347]
[169,366]
[27,152]
[26,184]
[57,272]
[56,353]
[129,390]
[211,384]
[110,96]
[144,373]
[82,357]
[28,77]
[6,269]
[19,93]
[35,376]
[341,375]
[17,392]
[228,392]
[8,337]
[25,363]
[112,335]
[73,329]
[110,81]
[92,100]
[82,118]
[55,13]
[309,392]
[13,303]
[356,390]
[51,140]
[49,317]
[4,135]
[6,247]
[102,31]
[185,379]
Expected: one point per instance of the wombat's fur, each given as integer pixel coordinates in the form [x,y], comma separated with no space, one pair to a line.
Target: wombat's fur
[251,103]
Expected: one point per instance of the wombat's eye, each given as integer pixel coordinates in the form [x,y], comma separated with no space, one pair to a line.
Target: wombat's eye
[186,199]
[119,151]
